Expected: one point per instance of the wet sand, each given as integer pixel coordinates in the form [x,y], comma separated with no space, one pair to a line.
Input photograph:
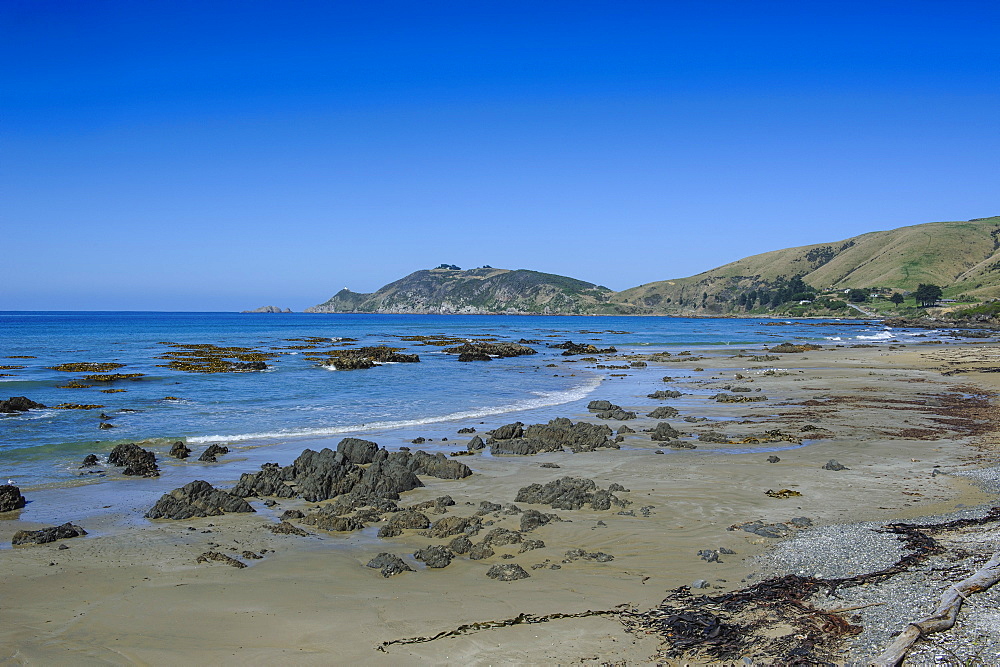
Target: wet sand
[137,595]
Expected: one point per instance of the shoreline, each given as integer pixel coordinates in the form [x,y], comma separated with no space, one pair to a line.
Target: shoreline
[94,592]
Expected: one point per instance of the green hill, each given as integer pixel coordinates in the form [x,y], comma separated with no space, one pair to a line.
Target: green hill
[963,257]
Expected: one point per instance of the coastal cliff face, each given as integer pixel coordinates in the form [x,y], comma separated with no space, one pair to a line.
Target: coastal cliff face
[478,291]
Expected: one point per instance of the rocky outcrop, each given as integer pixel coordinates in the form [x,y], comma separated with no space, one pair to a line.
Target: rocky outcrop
[19,404]
[10,498]
[46,535]
[664,432]
[212,452]
[180,451]
[571,349]
[434,556]
[663,412]
[138,462]
[369,357]
[389,564]
[554,436]
[484,351]
[570,493]
[507,572]
[357,451]
[664,394]
[196,499]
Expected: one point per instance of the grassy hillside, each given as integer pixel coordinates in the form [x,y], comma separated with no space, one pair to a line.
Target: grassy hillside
[963,257]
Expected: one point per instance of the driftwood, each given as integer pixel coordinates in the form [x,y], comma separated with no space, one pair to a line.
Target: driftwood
[944,616]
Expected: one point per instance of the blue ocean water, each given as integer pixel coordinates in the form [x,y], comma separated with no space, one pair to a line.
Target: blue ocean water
[297,399]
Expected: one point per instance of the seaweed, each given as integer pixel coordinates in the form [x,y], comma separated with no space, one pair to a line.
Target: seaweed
[86,367]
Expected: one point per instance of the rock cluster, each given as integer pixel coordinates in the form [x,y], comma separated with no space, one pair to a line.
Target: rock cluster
[196,499]
[485,351]
[570,349]
[556,436]
[389,564]
[325,474]
[571,493]
[368,357]
[137,461]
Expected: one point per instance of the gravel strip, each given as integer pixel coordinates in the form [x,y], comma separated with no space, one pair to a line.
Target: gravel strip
[845,550]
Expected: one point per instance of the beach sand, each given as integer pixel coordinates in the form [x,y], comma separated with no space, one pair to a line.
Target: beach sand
[136,595]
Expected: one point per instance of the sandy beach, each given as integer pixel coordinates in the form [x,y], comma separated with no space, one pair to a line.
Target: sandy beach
[906,423]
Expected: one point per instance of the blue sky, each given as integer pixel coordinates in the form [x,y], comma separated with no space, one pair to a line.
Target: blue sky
[225,155]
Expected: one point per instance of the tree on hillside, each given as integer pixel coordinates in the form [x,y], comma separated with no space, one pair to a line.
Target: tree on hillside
[857,296]
[896,298]
[927,295]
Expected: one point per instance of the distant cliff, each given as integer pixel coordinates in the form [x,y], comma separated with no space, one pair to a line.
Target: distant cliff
[478,291]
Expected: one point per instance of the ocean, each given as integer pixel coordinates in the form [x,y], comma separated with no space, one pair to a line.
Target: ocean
[297,402]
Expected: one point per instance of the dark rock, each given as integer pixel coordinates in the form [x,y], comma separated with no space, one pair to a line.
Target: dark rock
[714,436]
[680,444]
[549,465]
[663,394]
[292,514]
[568,493]
[454,525]
[484,351]
[531,545]
[272,480]
[180,450]
[834,464]
[46,535]
[664,431]
[461,544]
[468,429]
[418,441]
[19,404]
[507,572]
[532,519]
[220,558]
[407,519]
[89,461]
[619,415]
[389,564]
[211,452]
[508,432]
[800,521]
[522,447]
[336,524]
[435,556]
[602,406]
[572,349]
[663,412]
[104,426]
[480,551]
[578,437]
[196,499]
[285,528]
[624,429]
[10,498]
[486,507]
[476,444]
[772,459]
[137,461]
[357,451]
[438,465]
[499,537]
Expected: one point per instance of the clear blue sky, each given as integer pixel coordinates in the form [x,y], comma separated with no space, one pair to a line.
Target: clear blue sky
[225,155]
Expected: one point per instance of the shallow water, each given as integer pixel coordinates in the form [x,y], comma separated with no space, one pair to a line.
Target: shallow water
[297,402]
